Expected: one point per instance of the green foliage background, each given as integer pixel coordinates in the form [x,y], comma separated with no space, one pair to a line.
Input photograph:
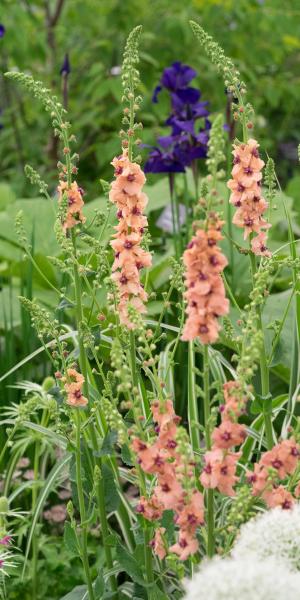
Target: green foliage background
[263,37]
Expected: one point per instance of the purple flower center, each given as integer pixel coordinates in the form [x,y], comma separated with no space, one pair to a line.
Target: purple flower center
[277,463]
[128,244]
[203,329]
[213,260]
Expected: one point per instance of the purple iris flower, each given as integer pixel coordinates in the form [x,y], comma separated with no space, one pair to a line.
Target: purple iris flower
[187,141]
[66,67]
[2,30]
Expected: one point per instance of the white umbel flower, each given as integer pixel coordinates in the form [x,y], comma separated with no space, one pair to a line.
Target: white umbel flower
[243,579]
[275,533]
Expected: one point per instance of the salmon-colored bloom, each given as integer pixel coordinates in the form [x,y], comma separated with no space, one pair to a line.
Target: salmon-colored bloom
[219,470]
[130,258]
[280,497]
[258,245]
[158,543]
[73,387]
[151,508]
[246,195]
[173,471]
[274,466]
[205,292]
[297,490]
[235,401]
[169,491]
[74,204]
[186,545]
[228,434]
[192,514]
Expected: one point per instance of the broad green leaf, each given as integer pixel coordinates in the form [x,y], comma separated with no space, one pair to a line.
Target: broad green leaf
[70,539]
[80,592]
[7,196]
[48,486]
[129,564]
[112,498]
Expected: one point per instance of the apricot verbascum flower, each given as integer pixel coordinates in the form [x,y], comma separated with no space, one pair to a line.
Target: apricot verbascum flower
[74,202]
[171,460]
[205,292]
[246,195]
[73,386]
[130,257]
[220,462]
[274,466]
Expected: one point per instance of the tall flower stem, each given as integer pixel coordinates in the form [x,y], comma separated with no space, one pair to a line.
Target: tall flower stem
[147,549]
[193,416]
[264,371]
[175,215]
[84,552]
[83,366]
[210,492]
[35,548]
[100,488]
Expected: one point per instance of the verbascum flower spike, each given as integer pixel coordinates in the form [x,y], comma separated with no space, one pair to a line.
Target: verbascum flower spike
[273,467]
[246,195]
[171,459]
[126,193]
[73,386]
[205,292]
[130,257]
[74,204]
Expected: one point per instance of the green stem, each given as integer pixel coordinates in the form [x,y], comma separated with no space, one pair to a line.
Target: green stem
[100,489]
[264,371]
[147,549]
[210,492]
[193,416]
[105,533]
[84,552]
[35,549]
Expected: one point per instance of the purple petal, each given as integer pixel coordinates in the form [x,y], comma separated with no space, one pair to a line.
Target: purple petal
[188,95]
[2,30]
[177,76]
[66,67]
[187,126]
[155,94]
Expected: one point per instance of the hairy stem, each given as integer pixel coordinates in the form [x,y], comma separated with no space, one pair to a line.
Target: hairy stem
[193,416]
[264,371]
[210,493]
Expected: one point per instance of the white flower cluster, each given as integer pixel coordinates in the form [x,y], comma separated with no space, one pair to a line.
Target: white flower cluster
[243,579]
[275,533]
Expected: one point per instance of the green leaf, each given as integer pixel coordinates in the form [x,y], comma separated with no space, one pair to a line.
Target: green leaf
[48,486]
[108,444]
[112,498]
[80,592]
[168,523]
[128,564]
[70,538]
[7,195]
[126,456]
